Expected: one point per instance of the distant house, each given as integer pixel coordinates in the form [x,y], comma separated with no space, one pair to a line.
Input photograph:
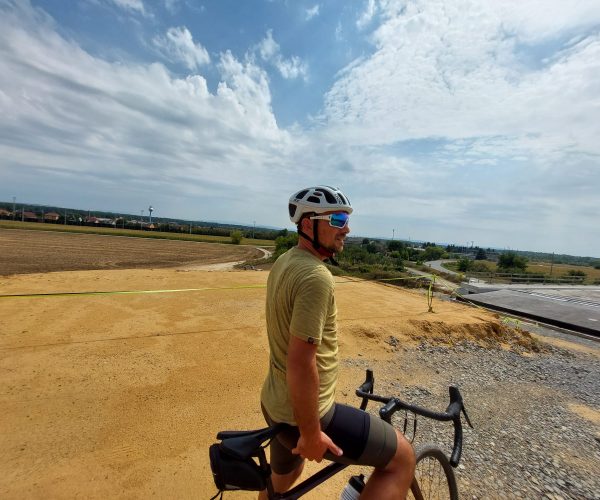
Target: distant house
[29,216]
[100,221]
[51,217]
[5,214]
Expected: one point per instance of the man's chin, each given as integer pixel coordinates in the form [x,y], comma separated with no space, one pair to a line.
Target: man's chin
[337,248]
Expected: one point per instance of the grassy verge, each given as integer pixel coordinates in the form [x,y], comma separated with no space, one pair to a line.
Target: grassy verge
[107,231]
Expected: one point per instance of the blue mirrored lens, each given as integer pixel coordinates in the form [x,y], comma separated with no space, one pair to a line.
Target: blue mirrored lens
[339,220]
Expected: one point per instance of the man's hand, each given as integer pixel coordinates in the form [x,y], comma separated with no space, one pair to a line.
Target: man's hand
[314,448]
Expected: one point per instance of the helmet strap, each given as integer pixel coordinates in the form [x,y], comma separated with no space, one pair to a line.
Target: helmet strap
[328,254]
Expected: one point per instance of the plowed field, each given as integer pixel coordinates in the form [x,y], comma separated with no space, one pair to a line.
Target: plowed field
[23,251]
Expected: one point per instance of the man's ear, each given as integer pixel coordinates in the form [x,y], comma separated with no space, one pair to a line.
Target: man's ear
[306,224]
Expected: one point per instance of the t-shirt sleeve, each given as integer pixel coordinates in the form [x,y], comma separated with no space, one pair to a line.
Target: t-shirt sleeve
[312,304]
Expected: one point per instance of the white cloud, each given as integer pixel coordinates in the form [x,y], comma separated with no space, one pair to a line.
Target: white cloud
[130,127]
[536,20]
[312,12]
[432,75]
[131,5]
[178,44]
[338,32]
[172,5]
[509,87]
[290,68]
[268,47]
[367,16]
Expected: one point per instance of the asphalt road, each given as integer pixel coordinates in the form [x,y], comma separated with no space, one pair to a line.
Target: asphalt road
[437,265]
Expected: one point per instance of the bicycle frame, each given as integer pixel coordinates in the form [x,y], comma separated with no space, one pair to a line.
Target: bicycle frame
[365,391]
[307,485]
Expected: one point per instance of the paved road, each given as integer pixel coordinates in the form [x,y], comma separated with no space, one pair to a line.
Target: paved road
[572,307]
[437,265]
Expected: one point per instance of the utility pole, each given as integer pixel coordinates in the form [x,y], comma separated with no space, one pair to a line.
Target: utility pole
[393,233]
[14,206]
[551,263]
[253,228]
[65,216]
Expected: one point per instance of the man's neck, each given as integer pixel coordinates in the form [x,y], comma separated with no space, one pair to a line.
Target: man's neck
[304,244]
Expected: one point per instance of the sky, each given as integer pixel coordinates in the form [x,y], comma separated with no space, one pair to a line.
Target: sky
[453,121]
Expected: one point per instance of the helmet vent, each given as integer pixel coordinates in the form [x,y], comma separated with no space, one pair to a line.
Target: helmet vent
[302,194]
[328,196]
[313,199]
[292,209]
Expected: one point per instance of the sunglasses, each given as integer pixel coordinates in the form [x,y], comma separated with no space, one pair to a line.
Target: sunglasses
[339,220]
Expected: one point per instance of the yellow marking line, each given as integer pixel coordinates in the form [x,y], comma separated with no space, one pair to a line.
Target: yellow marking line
[125,292]
[178,290]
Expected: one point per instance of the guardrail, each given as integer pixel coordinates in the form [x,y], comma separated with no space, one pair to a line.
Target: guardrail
[527,278]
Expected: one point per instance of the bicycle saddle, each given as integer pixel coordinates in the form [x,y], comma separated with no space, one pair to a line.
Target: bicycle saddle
[244,444]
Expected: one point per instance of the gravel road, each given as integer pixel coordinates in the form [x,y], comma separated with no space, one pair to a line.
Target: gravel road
[536,416]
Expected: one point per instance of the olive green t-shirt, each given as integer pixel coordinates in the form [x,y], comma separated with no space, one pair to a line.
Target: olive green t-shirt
[300,302]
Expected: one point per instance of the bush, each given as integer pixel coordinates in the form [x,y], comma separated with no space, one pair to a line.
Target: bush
[511,262]
[464,265]
[481,255]
[433,253]
[372,248]
[395,245]
[285,242]
[480,267]
[236,236]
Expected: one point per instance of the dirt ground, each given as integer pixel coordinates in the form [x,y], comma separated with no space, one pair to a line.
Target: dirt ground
[23,251]
[120,395]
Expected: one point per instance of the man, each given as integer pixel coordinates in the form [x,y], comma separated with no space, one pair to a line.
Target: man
[303,370]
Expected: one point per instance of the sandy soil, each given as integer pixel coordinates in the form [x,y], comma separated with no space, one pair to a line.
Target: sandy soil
[121,395]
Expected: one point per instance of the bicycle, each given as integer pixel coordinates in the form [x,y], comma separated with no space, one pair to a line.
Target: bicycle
[234,467]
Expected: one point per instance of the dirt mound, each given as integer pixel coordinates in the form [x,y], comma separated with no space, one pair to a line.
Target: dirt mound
[491,334]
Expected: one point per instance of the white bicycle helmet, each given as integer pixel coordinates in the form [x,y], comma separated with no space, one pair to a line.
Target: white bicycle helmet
[318,200]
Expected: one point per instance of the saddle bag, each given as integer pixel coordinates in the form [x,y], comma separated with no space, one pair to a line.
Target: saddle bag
[233,473]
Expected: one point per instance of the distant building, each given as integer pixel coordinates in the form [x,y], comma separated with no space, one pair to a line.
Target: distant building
[51,217]
[5,214]
[29,216]
[100,221]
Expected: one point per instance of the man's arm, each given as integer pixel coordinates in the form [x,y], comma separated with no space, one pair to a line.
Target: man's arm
[303,384]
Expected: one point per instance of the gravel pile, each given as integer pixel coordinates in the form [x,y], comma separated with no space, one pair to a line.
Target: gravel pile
[536,427]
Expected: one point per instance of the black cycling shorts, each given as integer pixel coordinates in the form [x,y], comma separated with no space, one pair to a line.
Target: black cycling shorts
[364,439]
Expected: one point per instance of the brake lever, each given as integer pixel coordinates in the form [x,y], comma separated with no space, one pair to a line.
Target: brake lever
[414,429]
[464,410]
